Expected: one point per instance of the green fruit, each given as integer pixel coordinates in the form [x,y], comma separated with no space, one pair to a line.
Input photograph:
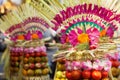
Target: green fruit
[115,71]
[45,71]
[46,59]
[38,72]
[16,64]
[43,59]
[37,59]
[61,67]
[31,59]
[30,72]
[59,74]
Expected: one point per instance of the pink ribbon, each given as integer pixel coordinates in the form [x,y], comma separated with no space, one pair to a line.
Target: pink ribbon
[76,65]
[107,65]
[114,56]
[98,65]
[87,65]
[68,66]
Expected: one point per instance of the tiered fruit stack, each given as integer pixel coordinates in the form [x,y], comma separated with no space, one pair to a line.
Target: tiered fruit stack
[87,70]
[35,62]
[16,54]
[60,71]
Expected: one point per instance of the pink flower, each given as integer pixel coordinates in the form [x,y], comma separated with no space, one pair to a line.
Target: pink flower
[73,38]
[63,38]
[93,34]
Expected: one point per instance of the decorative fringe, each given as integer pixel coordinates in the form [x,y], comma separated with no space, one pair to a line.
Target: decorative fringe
[16,18]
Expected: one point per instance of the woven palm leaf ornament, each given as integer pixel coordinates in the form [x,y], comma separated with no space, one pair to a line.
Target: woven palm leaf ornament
[25,27]
[76,19]
[23,23]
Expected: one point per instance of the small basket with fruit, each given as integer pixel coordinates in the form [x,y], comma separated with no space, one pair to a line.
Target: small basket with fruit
[59,57]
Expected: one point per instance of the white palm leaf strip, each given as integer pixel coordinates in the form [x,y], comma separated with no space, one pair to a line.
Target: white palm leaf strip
[113,4]
[117,7]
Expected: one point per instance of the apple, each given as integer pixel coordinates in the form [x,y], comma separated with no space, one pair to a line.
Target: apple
[43,54]
[92,47]
[38,54]
[26,66]
[104,74]
[86,74]
[61,67]
[24,72]
[43,65]
[59,74]
[31,59]
[68,74]
[43,59]
[32,54]
[25,60]
[38,72]
[27,55]
[76,74]
[38,65]
[31,65]
[45,71]
[16,54]
[96,75]
[30,72]
[20,53]
[17,64]
[37,59]
[46,59]
[116,64]
[12,54]
[115,71]
[16,58]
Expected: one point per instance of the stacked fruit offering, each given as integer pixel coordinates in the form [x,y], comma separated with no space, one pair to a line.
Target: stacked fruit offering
[60,71]
[15,59]
[35,61]
[88,70]
[115,64]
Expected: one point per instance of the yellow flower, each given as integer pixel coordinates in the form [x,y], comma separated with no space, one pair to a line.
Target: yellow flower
[21,37]
[102,33]
[83,38]
[67,39]
[34,36]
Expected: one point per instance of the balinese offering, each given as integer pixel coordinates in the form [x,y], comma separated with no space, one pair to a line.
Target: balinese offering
[28,57]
